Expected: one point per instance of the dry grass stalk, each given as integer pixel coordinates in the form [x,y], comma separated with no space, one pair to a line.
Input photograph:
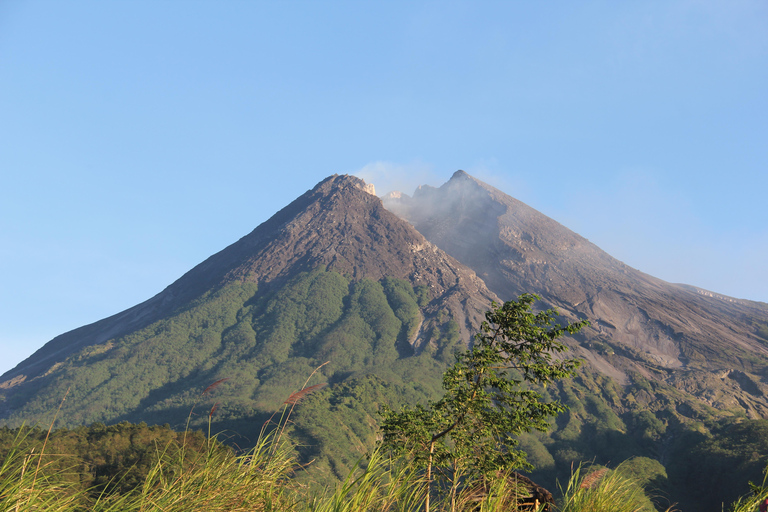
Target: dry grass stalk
[298,396]
[47,435]
[593,478]
[214,386]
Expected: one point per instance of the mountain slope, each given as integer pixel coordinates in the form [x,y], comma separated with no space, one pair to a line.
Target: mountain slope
[332,278]
[337,225]
[681,335]
[337,287]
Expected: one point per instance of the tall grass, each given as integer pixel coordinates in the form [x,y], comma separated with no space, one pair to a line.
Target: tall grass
[213,480]
[216,479]
[377,485]
[260,480]
[603,490]
[26,483]
[752,503]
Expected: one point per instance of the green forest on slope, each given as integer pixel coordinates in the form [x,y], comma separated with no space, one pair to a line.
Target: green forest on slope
[267,342]
[264,343]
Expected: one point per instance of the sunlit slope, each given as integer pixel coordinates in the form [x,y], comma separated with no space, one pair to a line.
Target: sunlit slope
[702,343]
[337,224]
[334,277]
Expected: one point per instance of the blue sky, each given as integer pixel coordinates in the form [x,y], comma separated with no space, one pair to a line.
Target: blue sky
[138,138]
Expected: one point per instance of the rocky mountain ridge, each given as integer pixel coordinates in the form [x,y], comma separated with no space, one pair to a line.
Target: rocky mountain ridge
[674,333]
[340,226]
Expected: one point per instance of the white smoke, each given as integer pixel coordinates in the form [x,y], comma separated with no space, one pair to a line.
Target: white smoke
[393,177]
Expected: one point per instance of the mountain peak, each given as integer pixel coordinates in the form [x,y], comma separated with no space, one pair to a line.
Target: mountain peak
[516,249]
[460,175]
[339,181]
[338,225]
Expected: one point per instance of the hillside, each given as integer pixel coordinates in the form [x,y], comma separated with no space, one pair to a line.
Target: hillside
[333,277]
[337,224]
[711,346]
[380,301]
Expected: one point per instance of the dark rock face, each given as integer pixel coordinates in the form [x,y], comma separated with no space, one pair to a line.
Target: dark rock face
[644,324]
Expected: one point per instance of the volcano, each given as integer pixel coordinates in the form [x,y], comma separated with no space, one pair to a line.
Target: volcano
[373,297]
[338,228]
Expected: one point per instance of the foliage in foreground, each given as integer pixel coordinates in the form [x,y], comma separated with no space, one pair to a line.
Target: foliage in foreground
[472,431]
[182,478]
[216,480]
[136,467]
[187,471]
[260,480]
[604,490]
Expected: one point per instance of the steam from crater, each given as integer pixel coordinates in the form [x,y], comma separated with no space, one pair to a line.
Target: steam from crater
[392,177]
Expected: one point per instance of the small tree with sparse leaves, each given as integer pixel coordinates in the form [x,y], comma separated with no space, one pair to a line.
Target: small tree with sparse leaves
[471,431]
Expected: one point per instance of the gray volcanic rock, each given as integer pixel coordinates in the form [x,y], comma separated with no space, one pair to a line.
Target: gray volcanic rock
[340,225]
[638,322]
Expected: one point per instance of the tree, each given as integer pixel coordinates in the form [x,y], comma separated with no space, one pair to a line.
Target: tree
[471,431]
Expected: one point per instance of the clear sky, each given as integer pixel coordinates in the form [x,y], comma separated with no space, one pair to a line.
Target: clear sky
[138,138]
